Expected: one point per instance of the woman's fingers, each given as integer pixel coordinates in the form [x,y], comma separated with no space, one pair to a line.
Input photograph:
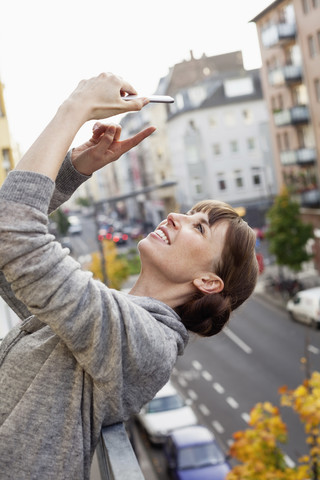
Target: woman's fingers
[136,139]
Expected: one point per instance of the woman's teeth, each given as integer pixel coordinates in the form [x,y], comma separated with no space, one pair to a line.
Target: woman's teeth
[162,235]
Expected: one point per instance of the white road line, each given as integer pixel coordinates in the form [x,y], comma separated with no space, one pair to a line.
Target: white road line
[217,426]
[230,442]
[232,402]
[246,417]
[192,394]
[237,340]
[206,375]
[289,461]
[313,349]
[204,409]
[196,365]
[182,381]
[219,388]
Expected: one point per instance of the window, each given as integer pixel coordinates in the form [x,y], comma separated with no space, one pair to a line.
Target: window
[315,3]
[317,88]
[234,146]
[238,178]
[197,185]
[212,122]
[248,116]
[251,144]
[222,182]
[6,160]
[318,37]
[256,176]
[312,46]
[230,119]
[305,6]
[216,149]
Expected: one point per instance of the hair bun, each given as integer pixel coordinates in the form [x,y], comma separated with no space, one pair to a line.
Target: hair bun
[205,315]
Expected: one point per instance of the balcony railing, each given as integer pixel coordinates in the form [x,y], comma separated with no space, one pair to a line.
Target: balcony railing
[287,74]
[302,156]
[116,458]
[292,116]
[278,33]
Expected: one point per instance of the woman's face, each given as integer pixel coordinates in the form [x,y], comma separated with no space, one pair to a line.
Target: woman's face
[182,247]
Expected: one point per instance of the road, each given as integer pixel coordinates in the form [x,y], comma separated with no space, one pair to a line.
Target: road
[226,375]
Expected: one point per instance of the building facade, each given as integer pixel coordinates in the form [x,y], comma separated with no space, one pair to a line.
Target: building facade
[6,151]
[289,36]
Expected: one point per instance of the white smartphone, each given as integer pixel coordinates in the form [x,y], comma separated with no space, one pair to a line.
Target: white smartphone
[152,98]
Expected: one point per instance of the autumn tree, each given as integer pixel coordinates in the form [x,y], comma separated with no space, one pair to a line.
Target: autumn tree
[305,401]
[287,234]
[258,451]
[117,269]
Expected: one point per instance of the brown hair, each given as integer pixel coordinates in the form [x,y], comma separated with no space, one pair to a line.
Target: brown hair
[206,314]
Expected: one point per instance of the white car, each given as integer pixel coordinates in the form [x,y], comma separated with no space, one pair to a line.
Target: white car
[165,412]
[305,306]
[75,225]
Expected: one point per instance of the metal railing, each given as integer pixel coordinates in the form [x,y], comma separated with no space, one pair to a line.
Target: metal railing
[116,458]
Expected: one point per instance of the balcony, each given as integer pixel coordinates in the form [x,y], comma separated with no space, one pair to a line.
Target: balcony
[302,156]
[115,455]
[288,74]
[296,115]
[278,33]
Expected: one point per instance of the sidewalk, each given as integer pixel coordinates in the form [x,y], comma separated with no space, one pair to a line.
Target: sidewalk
[309,277]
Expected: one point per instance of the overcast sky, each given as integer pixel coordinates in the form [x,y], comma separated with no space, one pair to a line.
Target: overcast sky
[48,46]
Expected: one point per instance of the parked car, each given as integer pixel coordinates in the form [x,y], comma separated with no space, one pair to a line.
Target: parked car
[75,225]
[165,412]
[193,454]
[305,306]
[119,238]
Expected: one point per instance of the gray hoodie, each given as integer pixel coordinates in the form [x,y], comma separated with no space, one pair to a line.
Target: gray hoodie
[86,356]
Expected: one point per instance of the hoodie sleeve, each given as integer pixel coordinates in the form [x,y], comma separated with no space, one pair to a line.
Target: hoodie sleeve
[67,182]
[112,338]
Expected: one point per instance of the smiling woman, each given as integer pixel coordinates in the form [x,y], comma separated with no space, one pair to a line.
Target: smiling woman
[86,356]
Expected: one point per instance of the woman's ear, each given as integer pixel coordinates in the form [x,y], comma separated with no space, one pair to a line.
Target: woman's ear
[209,283]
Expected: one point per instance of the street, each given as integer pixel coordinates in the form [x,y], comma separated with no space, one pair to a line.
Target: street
[226,375]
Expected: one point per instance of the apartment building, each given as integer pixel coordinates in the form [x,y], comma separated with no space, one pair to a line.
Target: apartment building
[289,35]
[6,152]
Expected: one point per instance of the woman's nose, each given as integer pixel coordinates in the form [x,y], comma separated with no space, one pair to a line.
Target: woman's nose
[175,219]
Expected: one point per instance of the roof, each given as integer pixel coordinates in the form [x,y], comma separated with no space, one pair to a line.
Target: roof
[194,71]
[195,434]
[267,10]
[219,97]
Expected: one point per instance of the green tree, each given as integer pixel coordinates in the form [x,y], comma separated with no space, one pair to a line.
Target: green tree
[287,233]
[61,220]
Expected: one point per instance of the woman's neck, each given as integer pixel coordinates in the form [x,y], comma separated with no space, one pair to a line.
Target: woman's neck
[172,295]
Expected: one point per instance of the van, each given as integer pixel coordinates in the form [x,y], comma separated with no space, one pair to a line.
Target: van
[305,307]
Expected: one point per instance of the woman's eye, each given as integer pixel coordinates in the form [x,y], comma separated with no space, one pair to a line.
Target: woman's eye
[200,227]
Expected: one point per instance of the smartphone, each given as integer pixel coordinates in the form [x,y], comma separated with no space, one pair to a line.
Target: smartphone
[152,98]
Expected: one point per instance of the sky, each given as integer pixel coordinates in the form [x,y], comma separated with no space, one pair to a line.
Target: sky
[48,46]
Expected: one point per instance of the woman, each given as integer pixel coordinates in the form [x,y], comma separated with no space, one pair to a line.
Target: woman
[86,356]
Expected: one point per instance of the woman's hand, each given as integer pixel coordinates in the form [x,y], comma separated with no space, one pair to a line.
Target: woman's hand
[102,97]
[104,147]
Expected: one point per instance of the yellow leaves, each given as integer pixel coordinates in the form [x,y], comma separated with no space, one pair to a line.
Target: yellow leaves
[117,269]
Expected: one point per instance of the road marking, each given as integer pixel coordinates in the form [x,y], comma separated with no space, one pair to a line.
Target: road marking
[289,461]
[183,382]
[230,442]
[219,388]
[196,365]
[313,349]
[207,376]
[246,417]
[204,410]
[217,426]
[192,394]
[237,340]
[232,402]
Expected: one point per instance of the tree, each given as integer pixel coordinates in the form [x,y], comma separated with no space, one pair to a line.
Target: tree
[117,268]
[287,234]
[62,221]
[257,448]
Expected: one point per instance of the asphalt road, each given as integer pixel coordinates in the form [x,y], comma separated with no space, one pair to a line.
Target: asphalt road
[226,375]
